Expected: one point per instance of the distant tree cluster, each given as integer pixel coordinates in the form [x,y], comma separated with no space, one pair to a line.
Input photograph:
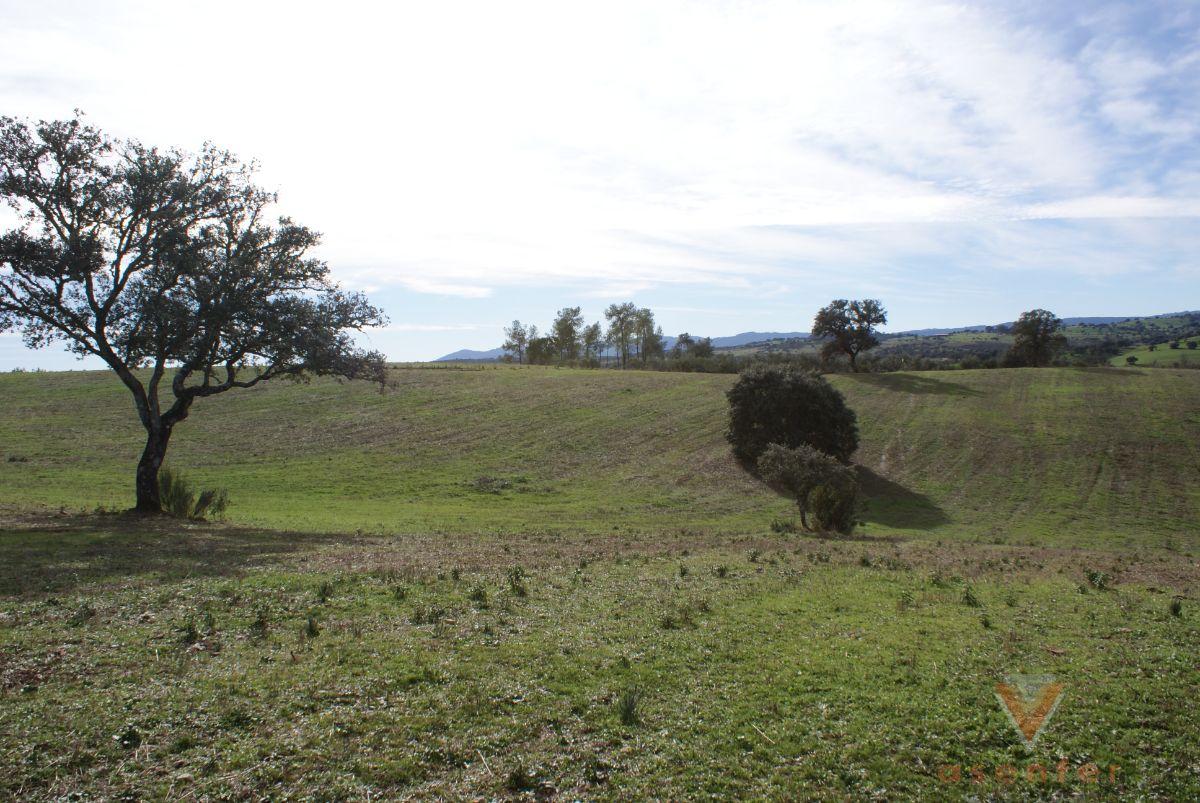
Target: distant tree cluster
[632,339]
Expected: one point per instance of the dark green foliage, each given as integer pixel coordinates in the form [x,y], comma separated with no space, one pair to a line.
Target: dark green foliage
[822,487]
[849,327]
[770,404]
[1177,608]
[1036,339]
[311,629]
[324,591]
[834,504]
[1098,579]
[970,599]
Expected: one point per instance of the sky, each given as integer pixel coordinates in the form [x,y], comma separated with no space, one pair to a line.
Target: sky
[731,165]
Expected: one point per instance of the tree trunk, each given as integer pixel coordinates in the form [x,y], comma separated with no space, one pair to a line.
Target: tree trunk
[853,363]
[148,498]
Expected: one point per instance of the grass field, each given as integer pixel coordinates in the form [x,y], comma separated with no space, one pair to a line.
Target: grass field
[1104,457]
[609,615]
[1162,355]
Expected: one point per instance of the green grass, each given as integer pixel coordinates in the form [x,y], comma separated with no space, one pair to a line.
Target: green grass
[132,663]
[510,582]
[1054,456]
[1162,356]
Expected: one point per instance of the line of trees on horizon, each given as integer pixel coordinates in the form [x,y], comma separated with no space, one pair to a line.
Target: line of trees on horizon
[844,332]
[631,338]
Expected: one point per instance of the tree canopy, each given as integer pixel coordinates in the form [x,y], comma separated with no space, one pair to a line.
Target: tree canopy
[1036,339]
[771,404]
[166,261]
[849,327]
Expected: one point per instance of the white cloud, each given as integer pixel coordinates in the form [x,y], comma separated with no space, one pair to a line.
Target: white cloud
[455,148]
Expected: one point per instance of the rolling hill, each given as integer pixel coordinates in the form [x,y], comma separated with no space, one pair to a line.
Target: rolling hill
[1054,456]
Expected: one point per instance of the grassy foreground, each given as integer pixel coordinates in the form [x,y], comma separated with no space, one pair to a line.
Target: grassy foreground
[556,584]
[1099,457]
[207,662]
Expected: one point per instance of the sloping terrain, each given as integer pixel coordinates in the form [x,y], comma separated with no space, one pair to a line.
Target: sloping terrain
[1056,456]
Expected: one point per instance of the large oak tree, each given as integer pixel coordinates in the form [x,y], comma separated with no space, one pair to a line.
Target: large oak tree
[165,265]
[849,327]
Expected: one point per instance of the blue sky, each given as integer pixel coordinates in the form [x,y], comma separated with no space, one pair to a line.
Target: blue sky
[731,165]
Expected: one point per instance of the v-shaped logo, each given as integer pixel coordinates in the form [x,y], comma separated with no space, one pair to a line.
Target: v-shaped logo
[1030,702]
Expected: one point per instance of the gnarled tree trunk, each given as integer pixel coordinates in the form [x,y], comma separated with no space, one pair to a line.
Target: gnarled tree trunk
[148,498]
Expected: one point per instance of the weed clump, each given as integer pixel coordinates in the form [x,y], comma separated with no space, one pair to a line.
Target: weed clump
[179,497]
[970,599]
[1177,608]
[627,707]
[516,581]
[1099,580]
[260,628]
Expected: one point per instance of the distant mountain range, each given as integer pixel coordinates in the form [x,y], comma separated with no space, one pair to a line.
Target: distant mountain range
[746,338]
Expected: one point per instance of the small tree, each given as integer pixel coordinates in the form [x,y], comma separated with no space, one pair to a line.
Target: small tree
[1174,344]
[702,348]
[809,476]
[593,342]
[516,340]
[1131,359]
[1191,344]
[621,328]
[541,350]
[683,345]
[647,336]
[565,331]
[1036,339]
[165,261]
[850,327]
[772,404]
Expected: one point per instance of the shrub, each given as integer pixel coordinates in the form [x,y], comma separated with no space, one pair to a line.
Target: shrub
[819,484]
[1177,608]
[773,404]
[1131,359]
[179,498]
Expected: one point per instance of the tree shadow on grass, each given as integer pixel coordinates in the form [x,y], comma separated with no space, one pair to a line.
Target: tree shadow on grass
[911,383]
[65,552]
[892,505]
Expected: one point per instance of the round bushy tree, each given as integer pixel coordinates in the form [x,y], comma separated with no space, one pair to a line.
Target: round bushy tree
[818,483]
[772,404]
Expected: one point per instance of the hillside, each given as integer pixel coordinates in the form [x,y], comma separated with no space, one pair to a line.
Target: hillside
[1103,456]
